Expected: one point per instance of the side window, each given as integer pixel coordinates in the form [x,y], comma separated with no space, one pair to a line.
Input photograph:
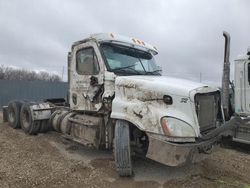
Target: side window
[86,62]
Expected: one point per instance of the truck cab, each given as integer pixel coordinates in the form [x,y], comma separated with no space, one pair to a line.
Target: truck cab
[242,84]
[98,60]
[117,76]
[241,98]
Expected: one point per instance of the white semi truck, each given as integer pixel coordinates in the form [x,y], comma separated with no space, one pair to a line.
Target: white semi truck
[119,100]
[237,102]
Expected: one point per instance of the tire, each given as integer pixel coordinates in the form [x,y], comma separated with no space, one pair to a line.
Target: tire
[51,120]
[5,114]
[122,150]
[14,108]
[28,124]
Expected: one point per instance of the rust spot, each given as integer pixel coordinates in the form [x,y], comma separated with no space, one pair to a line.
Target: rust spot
[128,85]
[125,109]
[143,95]
[177,157]
[138,115]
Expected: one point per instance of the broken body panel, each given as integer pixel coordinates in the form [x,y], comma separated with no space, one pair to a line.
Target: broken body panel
[139,99]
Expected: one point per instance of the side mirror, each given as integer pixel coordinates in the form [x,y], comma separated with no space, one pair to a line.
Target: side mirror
[248,72]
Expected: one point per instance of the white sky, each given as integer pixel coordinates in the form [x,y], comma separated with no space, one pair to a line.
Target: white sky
[37,35]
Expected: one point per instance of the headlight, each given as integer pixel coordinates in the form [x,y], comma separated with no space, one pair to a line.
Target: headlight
[176,128]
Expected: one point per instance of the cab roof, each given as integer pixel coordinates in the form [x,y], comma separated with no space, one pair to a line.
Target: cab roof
[120,39]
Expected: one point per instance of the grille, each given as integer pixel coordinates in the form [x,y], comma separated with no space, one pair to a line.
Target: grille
[207,106]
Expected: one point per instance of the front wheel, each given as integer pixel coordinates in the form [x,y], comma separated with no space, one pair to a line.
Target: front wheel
[122,150]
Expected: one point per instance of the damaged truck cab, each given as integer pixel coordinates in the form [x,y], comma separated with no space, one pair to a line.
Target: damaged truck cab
[116,77]
[118,99]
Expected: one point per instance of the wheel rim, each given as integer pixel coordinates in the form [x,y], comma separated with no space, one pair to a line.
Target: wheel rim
[25,118]
[12,115]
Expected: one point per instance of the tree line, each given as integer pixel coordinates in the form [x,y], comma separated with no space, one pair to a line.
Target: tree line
[9,73]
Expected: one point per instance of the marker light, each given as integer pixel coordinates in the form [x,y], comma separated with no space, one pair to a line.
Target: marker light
[164,125]
[167,99]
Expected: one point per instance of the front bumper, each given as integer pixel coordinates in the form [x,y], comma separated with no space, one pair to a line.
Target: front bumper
[177,154]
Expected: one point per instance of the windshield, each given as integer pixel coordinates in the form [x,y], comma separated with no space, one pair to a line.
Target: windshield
[128,60]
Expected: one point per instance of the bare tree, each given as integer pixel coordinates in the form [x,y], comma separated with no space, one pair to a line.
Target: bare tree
[9,73]
[1,72]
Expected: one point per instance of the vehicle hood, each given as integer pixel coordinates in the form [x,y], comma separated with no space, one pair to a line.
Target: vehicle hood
[160,85]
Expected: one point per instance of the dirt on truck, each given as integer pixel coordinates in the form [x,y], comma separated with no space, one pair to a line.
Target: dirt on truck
[49,160]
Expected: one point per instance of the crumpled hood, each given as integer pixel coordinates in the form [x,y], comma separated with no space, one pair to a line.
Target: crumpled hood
[161,85]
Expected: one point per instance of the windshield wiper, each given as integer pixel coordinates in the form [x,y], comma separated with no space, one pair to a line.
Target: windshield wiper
[151,72]
[127,67]
[120,68]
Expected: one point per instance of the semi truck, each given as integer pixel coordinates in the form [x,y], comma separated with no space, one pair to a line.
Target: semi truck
[236,94]
[118,100]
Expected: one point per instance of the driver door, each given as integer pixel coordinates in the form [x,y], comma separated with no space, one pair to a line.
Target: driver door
[86,77]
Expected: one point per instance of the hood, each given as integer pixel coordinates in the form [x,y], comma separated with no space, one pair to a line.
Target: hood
[163,85]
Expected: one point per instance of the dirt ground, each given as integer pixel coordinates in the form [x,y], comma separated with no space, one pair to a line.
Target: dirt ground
[48,160]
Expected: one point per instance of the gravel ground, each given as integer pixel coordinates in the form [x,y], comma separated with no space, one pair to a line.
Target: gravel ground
[48,160]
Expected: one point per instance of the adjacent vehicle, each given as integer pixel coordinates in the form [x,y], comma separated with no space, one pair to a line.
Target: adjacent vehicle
[118,100]
[236,95]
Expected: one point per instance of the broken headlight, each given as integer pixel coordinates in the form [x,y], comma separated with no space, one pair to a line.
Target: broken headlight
[176,128]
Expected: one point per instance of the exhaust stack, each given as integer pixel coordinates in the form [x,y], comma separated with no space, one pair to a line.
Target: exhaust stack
[226,76]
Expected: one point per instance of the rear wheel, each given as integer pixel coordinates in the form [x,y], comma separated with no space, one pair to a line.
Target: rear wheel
[14,108]
[28,124]
[122,150]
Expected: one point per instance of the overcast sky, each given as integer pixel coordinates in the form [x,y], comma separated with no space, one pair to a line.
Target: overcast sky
[37,35]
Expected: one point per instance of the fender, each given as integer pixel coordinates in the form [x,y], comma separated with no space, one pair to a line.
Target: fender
[140,103]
